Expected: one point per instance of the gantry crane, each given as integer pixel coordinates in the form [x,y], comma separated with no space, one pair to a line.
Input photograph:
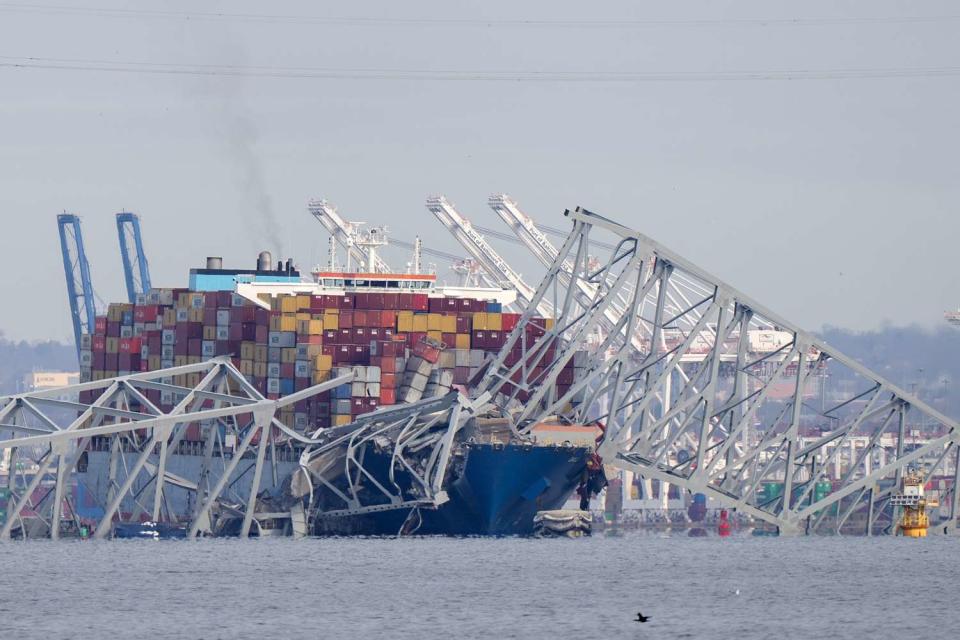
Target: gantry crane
[136,272]
[77,272]
[350,237]
[481,251]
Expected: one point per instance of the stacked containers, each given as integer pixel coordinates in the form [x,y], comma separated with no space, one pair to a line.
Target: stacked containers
[399,347]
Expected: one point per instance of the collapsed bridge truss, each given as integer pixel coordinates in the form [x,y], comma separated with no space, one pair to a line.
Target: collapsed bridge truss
[687,397]
[109,441]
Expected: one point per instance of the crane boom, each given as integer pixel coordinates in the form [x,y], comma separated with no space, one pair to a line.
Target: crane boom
[136,272]
[77,272]
[482,252]
[345,234]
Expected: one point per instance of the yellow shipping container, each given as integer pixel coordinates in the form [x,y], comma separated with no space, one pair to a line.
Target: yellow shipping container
[260,353]
[99,375]
[303,301]
[304,315]
[549,323]
[433,322]
[193,379]
[194,360]
[209,333]
[169,318]
[113,345]
[463,341]
[180,380]
[153,362]
[331,321]
[405,321]
[323,362]
[288,304]
[480,321]
[274,323]
[247,350]
[435,335]
[288,355]
[419,322]
[339,420]
[260,369]
[315,327]
[303,327]
[321,376]
[288,323]
[494,322]
[246,367]
[448,324]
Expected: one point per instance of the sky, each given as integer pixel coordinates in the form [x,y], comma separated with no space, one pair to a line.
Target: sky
[804,153]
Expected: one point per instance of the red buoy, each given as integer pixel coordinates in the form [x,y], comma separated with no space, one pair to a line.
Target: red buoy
[724,527]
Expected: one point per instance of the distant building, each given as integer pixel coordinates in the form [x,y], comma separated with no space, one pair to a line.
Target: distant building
[42,380]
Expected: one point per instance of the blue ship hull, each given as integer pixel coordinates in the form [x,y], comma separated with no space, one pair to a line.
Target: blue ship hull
[497,492]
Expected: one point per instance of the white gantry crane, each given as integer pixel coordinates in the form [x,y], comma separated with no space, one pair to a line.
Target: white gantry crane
[361,245]
[481,251]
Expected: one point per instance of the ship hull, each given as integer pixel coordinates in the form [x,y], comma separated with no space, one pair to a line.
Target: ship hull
[498,492]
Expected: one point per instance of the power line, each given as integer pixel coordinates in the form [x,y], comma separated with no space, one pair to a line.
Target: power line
[626,23]
[530,76]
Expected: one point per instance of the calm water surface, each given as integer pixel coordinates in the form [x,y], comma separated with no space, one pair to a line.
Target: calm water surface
[483,588]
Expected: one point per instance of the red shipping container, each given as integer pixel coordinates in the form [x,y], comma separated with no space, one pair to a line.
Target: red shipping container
[388,319]
[299,384]
[210,300]
[99,360]
[343,354]
[263,333]
[155,345]
[405,301]
[357,406]
[328,349]
[461,375]
[420,302]
[130,345]
[245,314]
[316,304]
[309,339]
[224,299]
[479,340]
[346,301]
[496,339]
[346,336]
[373,333]
[391,301]
[98,343]
[387,366]
[467,305]
[225,348]
[361,354]
[435,305]
[331,335]
[180,347]
[113,329]
[388,380]
[387,396]
[464,324]
[372,403]
[360,335]
[194,347]
[287,370]
[100,325]
[145,313]
[449,339]
[375,300]
[509,321]
[360,301]
[346,319]
[210,316]
[236,331]
[359,317]
[331,301]
[123,361]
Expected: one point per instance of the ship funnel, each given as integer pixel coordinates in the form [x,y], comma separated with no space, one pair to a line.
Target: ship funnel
[264,261]
[214,262]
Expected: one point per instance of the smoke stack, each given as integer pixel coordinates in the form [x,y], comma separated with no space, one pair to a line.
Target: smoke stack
[214,262]
[264,261]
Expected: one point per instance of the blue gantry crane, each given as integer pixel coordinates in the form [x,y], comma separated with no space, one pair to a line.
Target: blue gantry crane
[136,272]
[77,271]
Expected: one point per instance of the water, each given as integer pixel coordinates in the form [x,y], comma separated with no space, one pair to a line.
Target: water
[482,588]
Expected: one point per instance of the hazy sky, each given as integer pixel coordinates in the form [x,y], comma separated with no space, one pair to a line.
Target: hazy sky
[832,200]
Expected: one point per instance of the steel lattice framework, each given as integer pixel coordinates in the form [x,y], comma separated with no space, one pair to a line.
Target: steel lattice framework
[48,438]
[687,397]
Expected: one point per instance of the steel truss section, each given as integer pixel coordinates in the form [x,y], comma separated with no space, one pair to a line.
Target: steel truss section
[415,443]
[49,441]
[797,435]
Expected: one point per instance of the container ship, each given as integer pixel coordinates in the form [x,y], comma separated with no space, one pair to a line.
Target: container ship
[402,336]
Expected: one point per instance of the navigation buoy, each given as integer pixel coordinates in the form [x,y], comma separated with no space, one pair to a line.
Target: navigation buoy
[723,528]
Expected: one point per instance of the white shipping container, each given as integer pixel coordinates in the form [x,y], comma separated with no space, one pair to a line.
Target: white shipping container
[223,333]
[373,375]
[273,385]
[358,389]
[208,348]
[86,341]
[372,389]
[273,370]
[223,318]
